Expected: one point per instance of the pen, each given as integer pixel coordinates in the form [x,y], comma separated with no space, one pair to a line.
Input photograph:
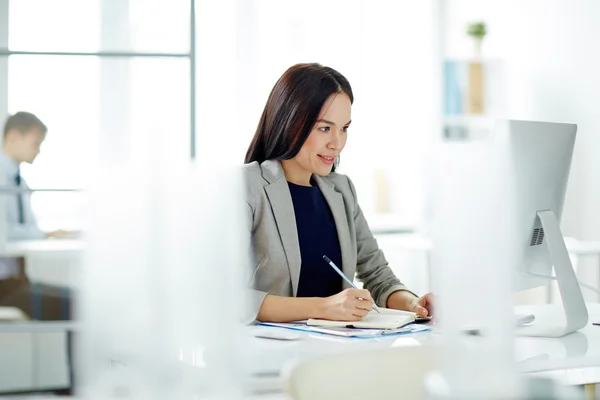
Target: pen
[328,261]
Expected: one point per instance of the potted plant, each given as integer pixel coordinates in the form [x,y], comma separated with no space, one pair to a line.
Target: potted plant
[477,31]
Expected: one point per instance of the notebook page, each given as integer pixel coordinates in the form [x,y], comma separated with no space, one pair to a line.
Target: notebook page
[372,320]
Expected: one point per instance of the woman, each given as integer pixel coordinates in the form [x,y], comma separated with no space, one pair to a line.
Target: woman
[301,209]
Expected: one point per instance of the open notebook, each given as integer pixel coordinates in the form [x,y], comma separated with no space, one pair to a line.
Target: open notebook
[387,319]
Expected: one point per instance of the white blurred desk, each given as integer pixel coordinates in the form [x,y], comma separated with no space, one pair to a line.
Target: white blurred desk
[420,243]
[50,247]
[572,360]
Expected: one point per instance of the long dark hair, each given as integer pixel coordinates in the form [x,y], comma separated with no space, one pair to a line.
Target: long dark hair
[292,110]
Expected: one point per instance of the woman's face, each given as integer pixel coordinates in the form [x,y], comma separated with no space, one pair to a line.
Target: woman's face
[327,138]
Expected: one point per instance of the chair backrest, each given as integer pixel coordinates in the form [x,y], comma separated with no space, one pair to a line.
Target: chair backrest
[391,373]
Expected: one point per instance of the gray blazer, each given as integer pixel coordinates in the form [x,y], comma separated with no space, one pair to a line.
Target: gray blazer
[274,236]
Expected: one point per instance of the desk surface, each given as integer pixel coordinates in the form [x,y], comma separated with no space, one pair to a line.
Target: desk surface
[573,359]
[20,248]
[418,241]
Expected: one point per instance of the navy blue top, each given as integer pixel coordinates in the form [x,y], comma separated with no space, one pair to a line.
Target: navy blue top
[317,236]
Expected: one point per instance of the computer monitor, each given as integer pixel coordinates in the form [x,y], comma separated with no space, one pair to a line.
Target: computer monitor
[540,156]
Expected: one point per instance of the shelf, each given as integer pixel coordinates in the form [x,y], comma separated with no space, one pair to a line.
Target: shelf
[484,60]
[471,120]
[467,127]
[471,95]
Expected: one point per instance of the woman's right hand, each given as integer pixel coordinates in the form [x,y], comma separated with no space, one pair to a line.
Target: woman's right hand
[348,305]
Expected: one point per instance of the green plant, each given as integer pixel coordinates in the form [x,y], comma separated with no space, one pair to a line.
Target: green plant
[476,29]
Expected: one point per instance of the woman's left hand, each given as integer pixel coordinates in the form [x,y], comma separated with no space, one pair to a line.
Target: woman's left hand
[404,300]
[423,305]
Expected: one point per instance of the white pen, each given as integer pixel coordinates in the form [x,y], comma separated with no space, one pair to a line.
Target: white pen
[328,261]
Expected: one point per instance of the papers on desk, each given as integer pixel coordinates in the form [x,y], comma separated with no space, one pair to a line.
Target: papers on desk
[348,332]
[388,322]
[374,324]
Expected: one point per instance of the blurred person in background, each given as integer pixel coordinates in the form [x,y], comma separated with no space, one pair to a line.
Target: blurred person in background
[23,136]
[300,209]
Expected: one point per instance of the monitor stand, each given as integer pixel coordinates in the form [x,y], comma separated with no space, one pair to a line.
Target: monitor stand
[574,307]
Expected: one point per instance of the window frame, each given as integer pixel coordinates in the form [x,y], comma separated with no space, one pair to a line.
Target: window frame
[106,24]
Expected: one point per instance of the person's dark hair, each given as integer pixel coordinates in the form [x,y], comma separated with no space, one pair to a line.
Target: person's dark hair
[23,122]
[292,111]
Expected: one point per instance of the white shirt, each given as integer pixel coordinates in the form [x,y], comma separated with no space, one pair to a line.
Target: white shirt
[15,230]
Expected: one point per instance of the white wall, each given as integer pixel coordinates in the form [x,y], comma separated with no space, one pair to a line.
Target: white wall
[552,67]
[552,63]
[386,50]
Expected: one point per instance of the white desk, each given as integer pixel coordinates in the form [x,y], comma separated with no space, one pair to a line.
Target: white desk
[25,248]
[572,360]
[420,243]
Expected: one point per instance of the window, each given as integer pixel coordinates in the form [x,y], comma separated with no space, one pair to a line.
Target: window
[93,103]
[38,25]
[108,84]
